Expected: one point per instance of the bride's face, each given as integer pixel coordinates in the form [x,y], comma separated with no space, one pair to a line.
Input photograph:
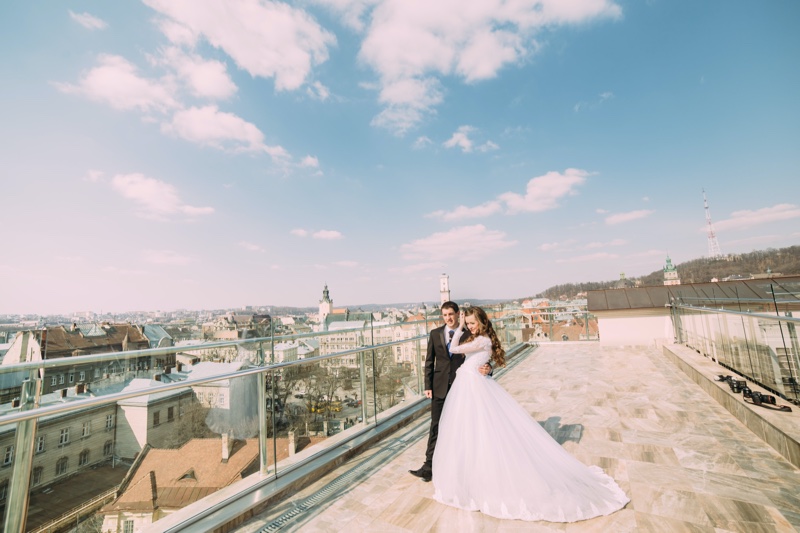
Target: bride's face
[472,324]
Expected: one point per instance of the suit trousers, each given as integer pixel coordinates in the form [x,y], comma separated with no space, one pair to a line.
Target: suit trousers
[437,404]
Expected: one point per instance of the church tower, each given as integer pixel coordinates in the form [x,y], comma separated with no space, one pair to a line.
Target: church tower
[671,274]
[325,307]
[444,289]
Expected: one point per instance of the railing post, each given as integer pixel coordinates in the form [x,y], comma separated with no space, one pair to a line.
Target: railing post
[262,414]
[17,503]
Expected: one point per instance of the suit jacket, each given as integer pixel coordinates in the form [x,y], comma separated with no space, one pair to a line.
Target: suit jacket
[440,369]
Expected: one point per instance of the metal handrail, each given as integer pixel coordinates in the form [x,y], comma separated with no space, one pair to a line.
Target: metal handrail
[117,396]
[795,320]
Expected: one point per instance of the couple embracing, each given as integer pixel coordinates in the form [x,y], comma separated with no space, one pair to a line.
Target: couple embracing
[485,452]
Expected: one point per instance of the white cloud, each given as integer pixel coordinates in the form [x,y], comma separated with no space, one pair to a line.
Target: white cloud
[90,22]
[460,139]
[94,176]
[421,142]
[327,235]
[318,91]
[542,193]
[346,264]
[177,33]
[488,146]
[116,82]
[267,39]
[156,198]
[166,257]
[205,78]
[645,198]
[601,211]
[411,43]
[747,218]
[211,127]
[462,211]
[250,247]
[557,246]
[601,98]
[299,232]
[450,244]
[619,218]
[310,162]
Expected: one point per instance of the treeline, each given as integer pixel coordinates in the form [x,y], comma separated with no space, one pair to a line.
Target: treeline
[783,262]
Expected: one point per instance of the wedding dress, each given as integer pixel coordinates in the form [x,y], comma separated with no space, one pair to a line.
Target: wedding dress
[493,457]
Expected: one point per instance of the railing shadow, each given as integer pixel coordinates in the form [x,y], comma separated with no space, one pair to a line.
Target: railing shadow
[562,434]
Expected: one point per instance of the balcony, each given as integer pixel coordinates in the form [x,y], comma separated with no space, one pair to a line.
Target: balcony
[652,417]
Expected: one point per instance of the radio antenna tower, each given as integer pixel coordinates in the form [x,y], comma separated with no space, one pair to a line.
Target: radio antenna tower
[713,246]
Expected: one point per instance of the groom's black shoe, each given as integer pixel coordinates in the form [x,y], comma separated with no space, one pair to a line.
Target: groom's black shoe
[424,473]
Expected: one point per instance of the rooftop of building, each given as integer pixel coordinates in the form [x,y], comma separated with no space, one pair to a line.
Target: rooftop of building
[686,462]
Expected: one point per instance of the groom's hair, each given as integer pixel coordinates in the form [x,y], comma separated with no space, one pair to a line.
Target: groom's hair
[450,305]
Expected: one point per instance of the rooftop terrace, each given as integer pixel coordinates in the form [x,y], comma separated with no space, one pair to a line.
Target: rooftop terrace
[686,462]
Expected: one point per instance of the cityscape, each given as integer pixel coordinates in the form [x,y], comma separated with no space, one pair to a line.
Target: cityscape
[230,225]
[123,439]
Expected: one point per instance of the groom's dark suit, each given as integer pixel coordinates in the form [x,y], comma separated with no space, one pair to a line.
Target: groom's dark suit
[440,371]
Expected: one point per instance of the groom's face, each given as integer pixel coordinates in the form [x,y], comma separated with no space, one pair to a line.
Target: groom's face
[449,317]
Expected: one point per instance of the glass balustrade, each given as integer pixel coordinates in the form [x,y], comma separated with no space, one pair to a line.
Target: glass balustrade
[106,434]
[758,346]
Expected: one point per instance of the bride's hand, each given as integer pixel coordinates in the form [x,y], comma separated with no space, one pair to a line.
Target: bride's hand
[462,320]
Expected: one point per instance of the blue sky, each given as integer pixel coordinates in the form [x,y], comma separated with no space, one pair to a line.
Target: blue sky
[160,155]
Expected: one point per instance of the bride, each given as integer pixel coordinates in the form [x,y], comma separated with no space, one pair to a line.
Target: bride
[493,457]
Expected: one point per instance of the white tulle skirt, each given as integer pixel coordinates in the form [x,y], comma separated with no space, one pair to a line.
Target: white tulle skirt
[492,456]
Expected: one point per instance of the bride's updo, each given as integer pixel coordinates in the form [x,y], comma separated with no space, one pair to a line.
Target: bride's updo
[485,328]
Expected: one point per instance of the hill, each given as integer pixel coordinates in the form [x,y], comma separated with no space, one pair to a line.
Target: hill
[779,262]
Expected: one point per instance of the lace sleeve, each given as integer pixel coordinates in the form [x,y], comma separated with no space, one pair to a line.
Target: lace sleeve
[475,345]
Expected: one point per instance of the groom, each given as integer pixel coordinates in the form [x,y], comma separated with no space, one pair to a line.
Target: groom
[440,371]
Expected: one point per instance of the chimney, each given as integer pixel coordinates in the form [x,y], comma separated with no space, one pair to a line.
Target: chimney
[153,489]
[292,444]
[227,445]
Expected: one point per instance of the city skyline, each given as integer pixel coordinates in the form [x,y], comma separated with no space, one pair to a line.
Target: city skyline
[207,155]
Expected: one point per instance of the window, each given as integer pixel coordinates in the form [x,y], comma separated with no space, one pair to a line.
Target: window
[109,421]
[64,437]
[86,429]
[61,466]
[83,375]
[108,448]
[96,373]
[71,377]
[61,379]
[53,380]
[40,444]
[8,456]
[181,411]
[3,490]
[38,474]
[83,458]
[127,526]
[170,414]
[221,399]
[156,418]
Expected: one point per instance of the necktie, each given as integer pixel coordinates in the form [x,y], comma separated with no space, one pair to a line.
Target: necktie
[449,340]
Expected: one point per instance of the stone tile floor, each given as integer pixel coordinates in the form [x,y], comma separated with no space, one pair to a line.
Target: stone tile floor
[687,464]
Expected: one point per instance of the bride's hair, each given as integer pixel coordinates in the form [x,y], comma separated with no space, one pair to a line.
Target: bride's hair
[485,328]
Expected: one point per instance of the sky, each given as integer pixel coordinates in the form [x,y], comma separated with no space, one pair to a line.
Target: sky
[206,154]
